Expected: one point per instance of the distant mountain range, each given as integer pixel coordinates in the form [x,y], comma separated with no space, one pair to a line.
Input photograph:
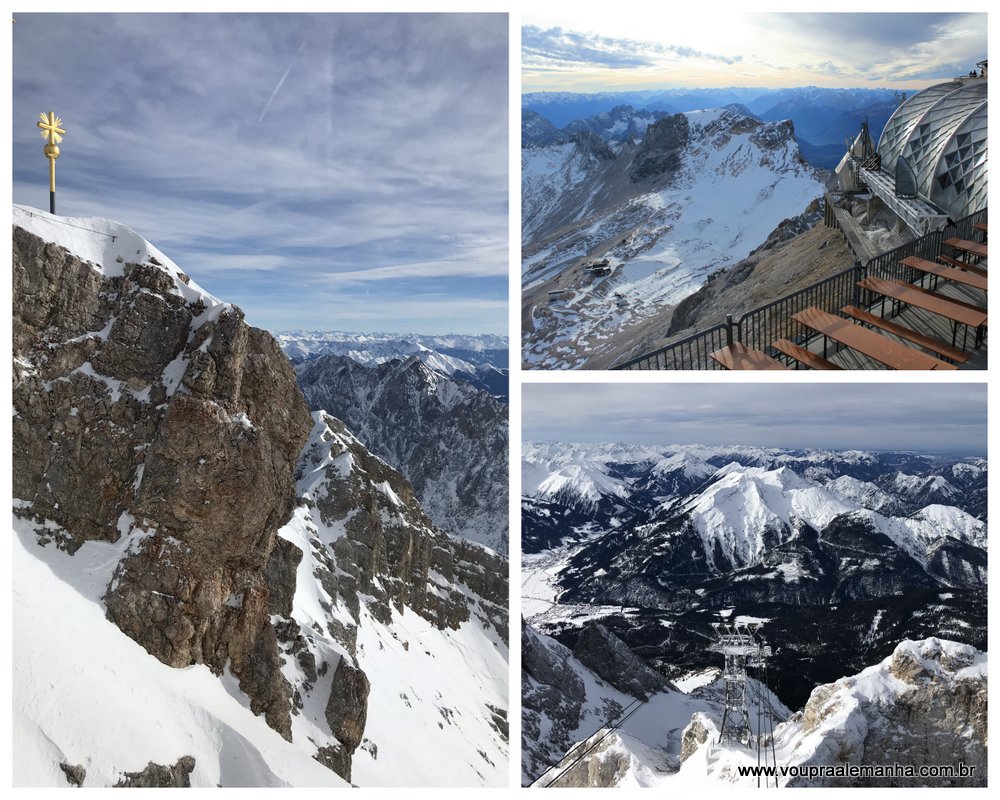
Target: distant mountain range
[449,438]
[819,541]
[823,118]
[480,360]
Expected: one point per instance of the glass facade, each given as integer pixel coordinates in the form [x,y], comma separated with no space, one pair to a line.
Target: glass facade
[941,134]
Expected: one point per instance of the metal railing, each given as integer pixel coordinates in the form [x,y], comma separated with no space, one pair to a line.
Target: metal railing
[762,326]
[690,353]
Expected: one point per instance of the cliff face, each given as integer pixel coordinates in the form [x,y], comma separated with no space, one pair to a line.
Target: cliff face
[447,437]
[253,537]
[144,404]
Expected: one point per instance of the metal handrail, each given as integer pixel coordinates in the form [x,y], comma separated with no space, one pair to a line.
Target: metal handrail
[762,326]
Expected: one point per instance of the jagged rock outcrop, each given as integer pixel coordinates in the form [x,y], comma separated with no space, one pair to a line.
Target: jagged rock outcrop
[150,417]
[146,407]
[552,694]
[660,151]
[158,776]
[926,704]
[448,438]
[698,731]
[75,774]
[537,130]
[621,124]
[385,547]
[368,543]
[607,762]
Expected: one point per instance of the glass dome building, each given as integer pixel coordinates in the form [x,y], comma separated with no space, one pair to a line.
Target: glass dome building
[935,145]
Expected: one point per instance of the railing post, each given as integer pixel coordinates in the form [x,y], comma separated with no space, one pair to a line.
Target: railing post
[729,330]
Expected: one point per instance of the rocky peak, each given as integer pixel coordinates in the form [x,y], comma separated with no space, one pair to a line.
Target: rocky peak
[660,151]
[145,407]
[592,147]
[924,704]
[537,131]
[442,434]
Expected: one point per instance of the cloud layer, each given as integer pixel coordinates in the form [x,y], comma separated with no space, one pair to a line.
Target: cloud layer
[297,164]
[836,416]
[600,47]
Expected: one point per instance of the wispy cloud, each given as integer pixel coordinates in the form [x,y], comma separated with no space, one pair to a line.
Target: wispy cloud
[559,48]
[598,48]
[370,150]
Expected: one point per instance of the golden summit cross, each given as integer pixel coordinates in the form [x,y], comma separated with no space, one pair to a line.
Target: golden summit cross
[51,127]
[52,131]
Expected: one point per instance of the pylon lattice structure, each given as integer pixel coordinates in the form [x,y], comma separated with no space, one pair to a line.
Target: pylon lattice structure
[742,646]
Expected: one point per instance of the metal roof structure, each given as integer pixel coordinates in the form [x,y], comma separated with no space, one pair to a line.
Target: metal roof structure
[933,150]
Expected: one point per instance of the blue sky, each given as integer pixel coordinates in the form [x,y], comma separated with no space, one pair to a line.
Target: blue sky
[598,47]
[841,416]
[332,171]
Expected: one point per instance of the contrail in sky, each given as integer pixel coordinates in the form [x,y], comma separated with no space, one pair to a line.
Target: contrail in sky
[281,83]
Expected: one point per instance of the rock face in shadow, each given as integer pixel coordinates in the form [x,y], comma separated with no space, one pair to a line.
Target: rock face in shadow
[660,151]
[448,438]
[610,658]
[146,408]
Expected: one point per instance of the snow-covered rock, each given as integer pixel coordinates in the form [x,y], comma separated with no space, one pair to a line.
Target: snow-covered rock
[701,191]
[190,541]
[447,437]
[923,705]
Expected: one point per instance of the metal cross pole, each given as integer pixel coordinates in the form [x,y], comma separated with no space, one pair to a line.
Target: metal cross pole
[52,132]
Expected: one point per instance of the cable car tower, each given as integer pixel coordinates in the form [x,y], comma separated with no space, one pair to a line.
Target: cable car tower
[742,646]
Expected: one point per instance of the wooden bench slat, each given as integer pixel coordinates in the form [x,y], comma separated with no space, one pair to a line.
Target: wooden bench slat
[882,349]
[928,342]
[962,265]
[956,310]
[947,273]
[738,356]
[803,356]
[977,249]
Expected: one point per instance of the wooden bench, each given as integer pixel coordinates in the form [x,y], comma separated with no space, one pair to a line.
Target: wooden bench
[962,265]
[976,249]
[877,347]
[955,310]
[738,356]
[947,273]
[927,342]
[803,356]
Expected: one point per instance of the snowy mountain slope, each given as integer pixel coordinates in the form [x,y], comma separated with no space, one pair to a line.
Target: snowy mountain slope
[864,494]
[269,610]
[679,533]
[448,438]
[654,211]
[566,702]
[413,619]
[736,514]
[103,677]
[925,704]
[403,650]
